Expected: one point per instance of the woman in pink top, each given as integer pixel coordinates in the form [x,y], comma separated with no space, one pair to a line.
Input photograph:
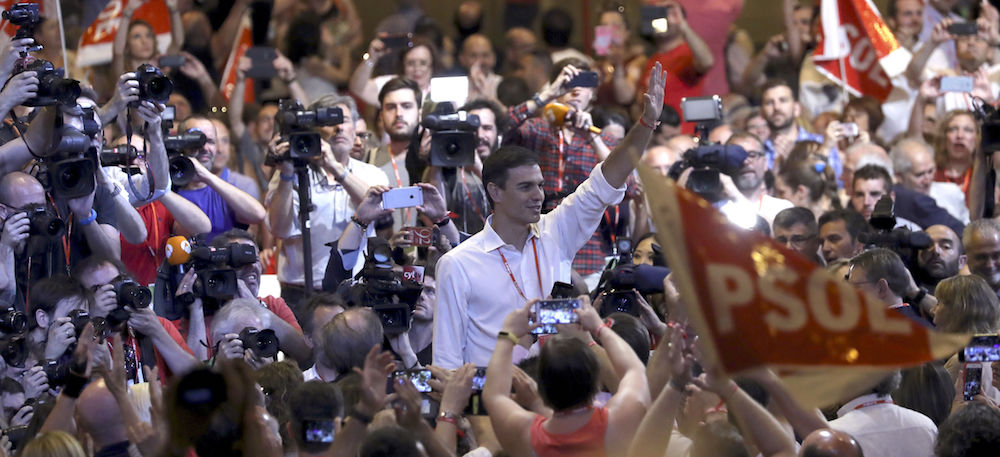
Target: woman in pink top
[568,380]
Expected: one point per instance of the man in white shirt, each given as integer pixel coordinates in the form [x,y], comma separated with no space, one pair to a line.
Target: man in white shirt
[750,180]
[883,428]
[913,163]
[337,184]
[520,254]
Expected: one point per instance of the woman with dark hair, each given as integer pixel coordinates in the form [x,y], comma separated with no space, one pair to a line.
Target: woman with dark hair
[418,62]
[927,389]
[647,251]
[806,180]
[567,382]
[135,40]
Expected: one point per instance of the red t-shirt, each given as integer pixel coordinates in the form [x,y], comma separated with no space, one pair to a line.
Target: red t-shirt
[274,304]
[682,79]
[143,259]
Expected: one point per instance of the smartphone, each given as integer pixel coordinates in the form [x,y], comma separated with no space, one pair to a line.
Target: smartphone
[175,61]
[421,236]
[479,379]
[262,62]
[317,430]
[418,377]
[168,114]
[850,129]
[402,197]
[963,28]
[982,348]
[584,79]
[701,109]
[956,84]
[548,313]
[972,380]
[653,20]
[453,89]
[398,41]
[604,37]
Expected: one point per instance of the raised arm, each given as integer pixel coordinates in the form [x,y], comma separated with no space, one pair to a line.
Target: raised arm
[246,208]
[222,40]
[939,36]
[236,100]
[121,36]
[362,85]
[757,424]
[176,28]
[189,219]
[623,159]
[653,434]
[703,59]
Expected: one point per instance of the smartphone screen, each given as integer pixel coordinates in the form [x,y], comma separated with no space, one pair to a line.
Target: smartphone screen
[479,379]
[262,62]
[317,430]
[973,375]
[398,41]
[604,36]
[982,348]
[956,84]
[419,378]
[963,28]
[552,312]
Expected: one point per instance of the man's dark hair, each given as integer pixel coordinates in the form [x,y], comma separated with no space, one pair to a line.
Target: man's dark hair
[880,263]
[871,172]
[870,106]
[276,380]
[498,113]
[96,261]
[303,37]
[972,431]
[557,67]
[669,116]
[568,373]
[927,389]
[348,337]
[513,91]
[391,441]
[231,236]
[788,217]
[496,167]
[778,82]
[855,223]
[313,400]
[557,27]
[633,332]
[400,83]
[47,292]
[313,302]
[605,115]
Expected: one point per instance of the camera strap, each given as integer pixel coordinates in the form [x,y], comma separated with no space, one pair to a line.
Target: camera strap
[538,271]
[562,162]
[613,227]
[66,236]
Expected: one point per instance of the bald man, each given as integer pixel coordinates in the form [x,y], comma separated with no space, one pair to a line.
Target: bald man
[479,61]
[944,258]
[98,415]
[913,162]
[826,442]
[519,41]
[660,158]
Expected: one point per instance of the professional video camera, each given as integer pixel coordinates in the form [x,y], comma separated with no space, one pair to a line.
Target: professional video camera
[383,290]
[153,85]
[707,163]
[263,343]
[453,137]
[295,124]
[216,269]
[907,244]
[181,169]
[25,17]
[620,284]
[69,171]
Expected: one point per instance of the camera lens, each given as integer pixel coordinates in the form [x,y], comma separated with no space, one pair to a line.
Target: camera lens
[13,321]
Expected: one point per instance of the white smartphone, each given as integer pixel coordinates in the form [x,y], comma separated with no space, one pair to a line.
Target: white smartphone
[453,89]
[956,84]
[402,197]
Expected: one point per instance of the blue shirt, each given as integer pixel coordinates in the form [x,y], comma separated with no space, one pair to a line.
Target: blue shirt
[218,211]
[805,135]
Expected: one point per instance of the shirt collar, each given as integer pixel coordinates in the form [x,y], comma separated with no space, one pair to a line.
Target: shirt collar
[854,404]
[492,240]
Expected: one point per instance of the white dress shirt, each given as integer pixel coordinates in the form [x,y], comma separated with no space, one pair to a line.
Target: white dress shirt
[950,197]
[475,292]
[885,429]
[332,212]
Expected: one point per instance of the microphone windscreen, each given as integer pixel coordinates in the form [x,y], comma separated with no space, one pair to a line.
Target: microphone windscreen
[178,250]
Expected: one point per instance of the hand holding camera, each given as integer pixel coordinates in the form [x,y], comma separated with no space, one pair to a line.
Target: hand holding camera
[230,347]
[20,88]
[458,389]
[371,207]
[16,229]
[12,50]
[518,323]
[560,86]
[61,337]
[143,320]
[35,382]
[105,300]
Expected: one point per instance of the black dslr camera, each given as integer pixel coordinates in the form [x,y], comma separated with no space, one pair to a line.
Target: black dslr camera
[121,156]
[14,349]
[13,322]
[153,85]
[708,163]
[70,170]
[263,343]
[453,137]
[129,293]
[53,86]
[907,244]
[43,221]
[181,169]
[295,125]
[25,17]
[383,290]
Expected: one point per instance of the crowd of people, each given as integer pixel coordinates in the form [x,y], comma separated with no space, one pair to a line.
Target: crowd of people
[415,247]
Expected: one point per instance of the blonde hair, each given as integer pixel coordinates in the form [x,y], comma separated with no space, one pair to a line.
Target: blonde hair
[941,141]
[966,304]
[55,443]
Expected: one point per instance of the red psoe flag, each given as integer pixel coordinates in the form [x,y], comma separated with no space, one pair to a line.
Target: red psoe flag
[244,40]
[97,42]
[857,49]
[756,303]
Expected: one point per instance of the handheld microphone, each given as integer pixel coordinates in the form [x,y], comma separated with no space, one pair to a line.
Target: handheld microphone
[557,114]
[178,250]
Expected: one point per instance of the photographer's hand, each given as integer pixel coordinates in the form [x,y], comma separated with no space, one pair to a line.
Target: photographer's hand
[144,321]
[126,91]
[61,335]
[280,149]
[558,87]
[19,89]
[400,344]
[371,207]
[231,347]
[105,301]
[16,230]
[11,51]
[35,382]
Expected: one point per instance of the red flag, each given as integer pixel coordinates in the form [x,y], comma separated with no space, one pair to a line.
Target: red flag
[244,40]
[857,49]
[757,303]
[96,44]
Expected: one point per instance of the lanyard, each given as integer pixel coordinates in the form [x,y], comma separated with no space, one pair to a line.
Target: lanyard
[399,183]
[538,270]
[472,201]
[613,226]
[66,237]
[156,232]
[562,163]
[873,403]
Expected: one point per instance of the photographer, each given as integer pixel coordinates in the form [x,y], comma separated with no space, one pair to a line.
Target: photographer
[280,317]
[228,329]
[52,333]
[109,282]
[750,180]
[337,183]
[224,204]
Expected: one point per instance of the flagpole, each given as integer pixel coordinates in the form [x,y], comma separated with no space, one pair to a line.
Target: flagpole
[843,81]
[62,37]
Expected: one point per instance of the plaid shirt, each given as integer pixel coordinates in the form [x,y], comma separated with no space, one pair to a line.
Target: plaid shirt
[578,158]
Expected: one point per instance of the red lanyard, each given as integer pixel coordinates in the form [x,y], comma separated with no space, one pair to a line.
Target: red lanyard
[538,270]
[562,163]
[873,403]
[65,238]
[399,183]
[475,206]
[613,227]
[156,232]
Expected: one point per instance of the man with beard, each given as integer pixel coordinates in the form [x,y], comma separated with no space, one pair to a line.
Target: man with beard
[337,183]
[399,112]
[941,260]
[224,204]
[981,240]
[750,180]
[780,109]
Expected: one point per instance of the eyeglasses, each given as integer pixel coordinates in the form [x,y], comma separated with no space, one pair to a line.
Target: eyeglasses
[755,154]
[797,240]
